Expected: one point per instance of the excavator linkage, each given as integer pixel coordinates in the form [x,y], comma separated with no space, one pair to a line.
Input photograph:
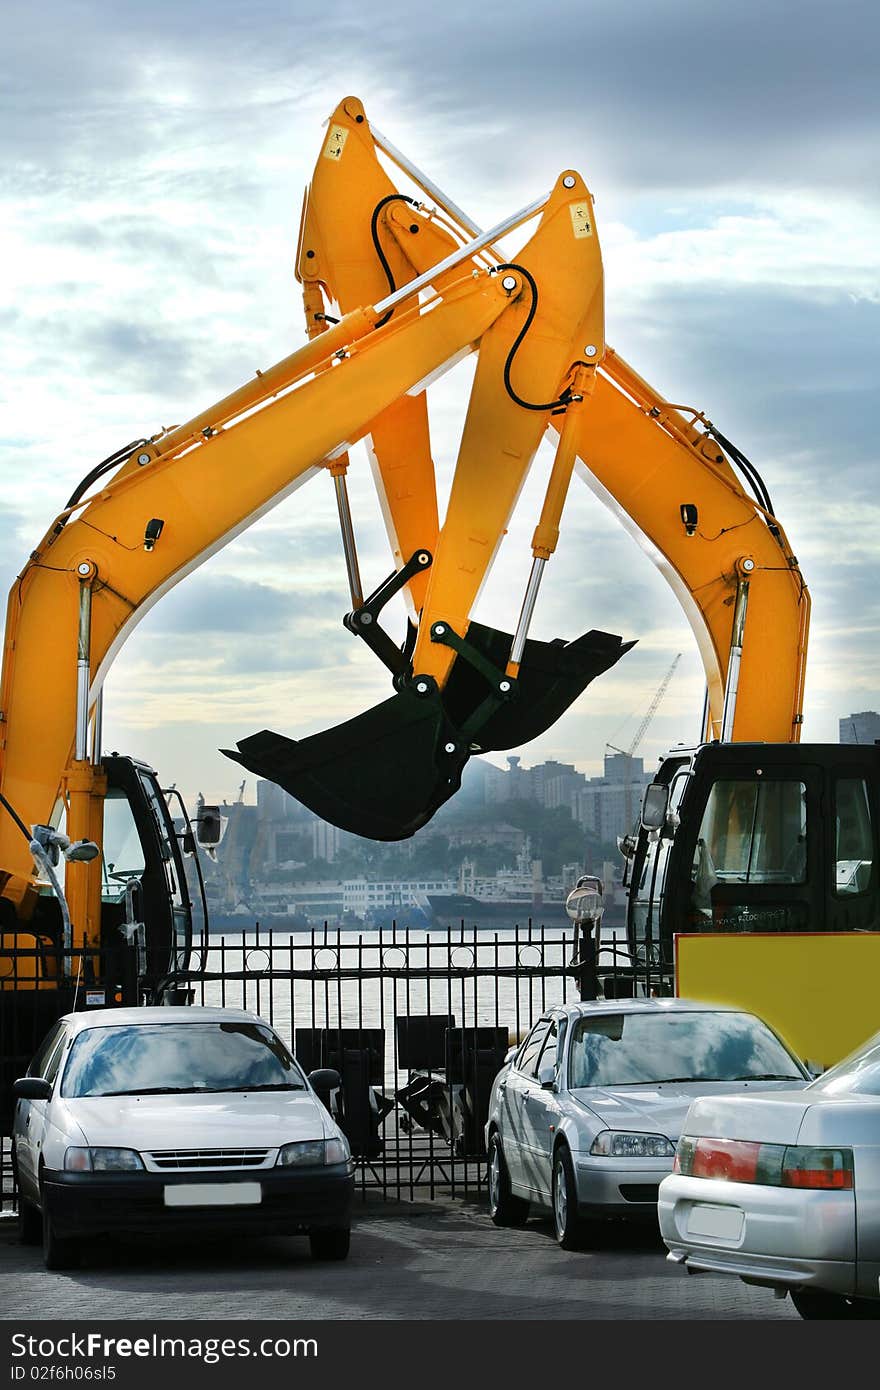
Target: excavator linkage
[386,772]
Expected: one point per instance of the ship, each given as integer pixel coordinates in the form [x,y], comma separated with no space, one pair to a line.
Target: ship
[507,898]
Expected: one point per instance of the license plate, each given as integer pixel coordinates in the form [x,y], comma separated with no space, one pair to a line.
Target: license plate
[214,1194]
[724,1223]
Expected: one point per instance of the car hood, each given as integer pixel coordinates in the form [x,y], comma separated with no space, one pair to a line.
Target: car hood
[231,1120]
[661,1109]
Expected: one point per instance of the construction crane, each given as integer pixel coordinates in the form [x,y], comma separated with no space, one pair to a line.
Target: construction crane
[639,735]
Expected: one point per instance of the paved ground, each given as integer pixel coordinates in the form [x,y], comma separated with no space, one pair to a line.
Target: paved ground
[428,1260]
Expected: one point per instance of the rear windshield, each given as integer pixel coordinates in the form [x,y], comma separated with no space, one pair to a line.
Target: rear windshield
[858,1075]
[169,1058]
[630,1049]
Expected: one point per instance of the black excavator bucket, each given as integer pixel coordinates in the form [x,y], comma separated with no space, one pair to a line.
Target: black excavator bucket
[386,772]
[382,774]
[551,677]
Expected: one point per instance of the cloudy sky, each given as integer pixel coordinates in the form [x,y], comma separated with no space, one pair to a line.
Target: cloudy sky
[153,161]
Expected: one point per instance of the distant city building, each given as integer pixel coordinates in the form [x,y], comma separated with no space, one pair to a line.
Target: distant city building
[508,837]
[516,784]
[608,805]
[271,801]
[326,839]
[860,728]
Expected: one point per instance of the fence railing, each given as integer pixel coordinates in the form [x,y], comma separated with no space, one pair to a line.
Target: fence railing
[416,1023]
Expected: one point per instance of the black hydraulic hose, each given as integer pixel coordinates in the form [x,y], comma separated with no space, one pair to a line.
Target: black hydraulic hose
[100,469]
[565,398]
[16,817]
[374,233]
[747,468]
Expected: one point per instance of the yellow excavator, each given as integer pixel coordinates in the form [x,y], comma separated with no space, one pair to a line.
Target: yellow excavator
[749,834]
[396,290]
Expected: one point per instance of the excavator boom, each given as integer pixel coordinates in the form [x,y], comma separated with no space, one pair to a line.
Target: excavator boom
[663,470]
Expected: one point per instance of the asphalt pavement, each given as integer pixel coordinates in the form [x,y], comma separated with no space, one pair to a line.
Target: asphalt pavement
[436,1260]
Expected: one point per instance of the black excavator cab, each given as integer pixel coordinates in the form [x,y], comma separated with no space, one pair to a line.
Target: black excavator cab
[386,772]
[149,925]
[754,837]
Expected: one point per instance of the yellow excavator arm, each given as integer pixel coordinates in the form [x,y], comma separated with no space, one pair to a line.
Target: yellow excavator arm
[395,290]
[150,518]
[665,472]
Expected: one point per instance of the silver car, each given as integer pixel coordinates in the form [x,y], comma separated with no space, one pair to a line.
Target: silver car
[784,1190]
[585,1115]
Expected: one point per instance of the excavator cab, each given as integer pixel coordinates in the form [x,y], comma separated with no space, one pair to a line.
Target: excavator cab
[145,893]
[751,837]
[150,922]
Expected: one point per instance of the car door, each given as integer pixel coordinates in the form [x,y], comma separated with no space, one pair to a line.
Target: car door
[540,1117]
[512,1099]
[31,1115]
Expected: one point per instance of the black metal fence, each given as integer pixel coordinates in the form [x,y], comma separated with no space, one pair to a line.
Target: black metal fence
[416,1023]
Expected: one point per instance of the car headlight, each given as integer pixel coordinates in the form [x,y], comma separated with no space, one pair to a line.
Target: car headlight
[102,1161]
[618,1143]
[311,1153]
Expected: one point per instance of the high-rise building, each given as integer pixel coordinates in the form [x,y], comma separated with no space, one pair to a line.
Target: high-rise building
[326,840]
[860,728]
[609,805]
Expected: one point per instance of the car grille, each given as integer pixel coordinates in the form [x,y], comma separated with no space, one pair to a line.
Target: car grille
[187,1160]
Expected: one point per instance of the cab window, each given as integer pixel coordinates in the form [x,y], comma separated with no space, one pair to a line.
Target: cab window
[854,836]
[752,832]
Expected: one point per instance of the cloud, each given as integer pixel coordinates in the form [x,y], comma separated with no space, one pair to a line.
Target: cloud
[149,187]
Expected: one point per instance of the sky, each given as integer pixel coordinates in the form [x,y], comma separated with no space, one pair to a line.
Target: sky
[153,162]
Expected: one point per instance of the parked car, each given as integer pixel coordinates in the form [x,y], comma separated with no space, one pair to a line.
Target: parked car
[585,1115]
[175,1119]
[784,1190]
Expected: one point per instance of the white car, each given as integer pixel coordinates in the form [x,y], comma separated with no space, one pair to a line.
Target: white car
[585,1115]
[175,1119]
[784,1190]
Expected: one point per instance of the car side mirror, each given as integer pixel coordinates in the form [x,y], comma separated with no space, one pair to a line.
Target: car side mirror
[323,1081]
[33,1088]
[814,1068]
[549,1085]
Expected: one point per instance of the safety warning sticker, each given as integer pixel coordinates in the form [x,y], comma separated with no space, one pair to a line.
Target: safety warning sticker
[335,142]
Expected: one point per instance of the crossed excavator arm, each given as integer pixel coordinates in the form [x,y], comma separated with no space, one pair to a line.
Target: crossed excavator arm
[729,564]
[152,517]
[538,326]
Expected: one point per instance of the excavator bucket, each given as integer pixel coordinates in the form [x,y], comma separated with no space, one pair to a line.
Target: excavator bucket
[382,774]
[551,677]
[386,772]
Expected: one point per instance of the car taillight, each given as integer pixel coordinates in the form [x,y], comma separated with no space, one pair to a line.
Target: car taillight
[773,1165]
[827,1168]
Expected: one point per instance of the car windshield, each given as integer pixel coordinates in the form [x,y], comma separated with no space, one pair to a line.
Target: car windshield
[168,1058]
[858,1075]
[631,1049]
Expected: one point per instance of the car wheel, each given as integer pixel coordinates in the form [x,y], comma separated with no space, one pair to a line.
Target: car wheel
[566,1224]
[818,1303]
[58,1252]
[330,1245]
[504,1208]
